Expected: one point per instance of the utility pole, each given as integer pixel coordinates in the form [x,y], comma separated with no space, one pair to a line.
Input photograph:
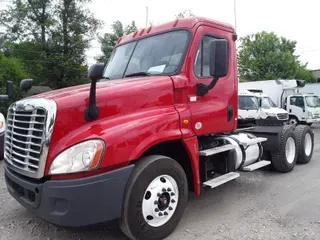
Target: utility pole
[235,15]
[146,16]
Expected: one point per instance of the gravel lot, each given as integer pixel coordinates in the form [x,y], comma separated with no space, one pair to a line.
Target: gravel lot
[258,205]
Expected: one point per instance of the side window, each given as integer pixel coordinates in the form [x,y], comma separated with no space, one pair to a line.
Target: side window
[201,65]
[297,101]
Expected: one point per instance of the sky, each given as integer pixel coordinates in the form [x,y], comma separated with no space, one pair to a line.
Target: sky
[296,19]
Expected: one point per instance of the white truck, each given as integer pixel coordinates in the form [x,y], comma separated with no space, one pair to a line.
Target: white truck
[248,109]
[303,108]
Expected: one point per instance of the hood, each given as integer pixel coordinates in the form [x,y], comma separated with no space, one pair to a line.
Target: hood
[274,110]
[106,90]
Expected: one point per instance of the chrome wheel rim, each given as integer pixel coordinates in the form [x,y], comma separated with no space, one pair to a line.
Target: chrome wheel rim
[290,150]
[308,144]
[160,200]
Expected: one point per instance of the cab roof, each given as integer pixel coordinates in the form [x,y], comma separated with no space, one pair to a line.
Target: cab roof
[184,23]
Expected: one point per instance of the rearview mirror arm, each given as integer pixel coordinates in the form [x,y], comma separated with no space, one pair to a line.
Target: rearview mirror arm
[203,89]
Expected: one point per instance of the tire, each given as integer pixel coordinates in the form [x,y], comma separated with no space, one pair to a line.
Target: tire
[305,143]
[293,120]
[281,161]
[136,201]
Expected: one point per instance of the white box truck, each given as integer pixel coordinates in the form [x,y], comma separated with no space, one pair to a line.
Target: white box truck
[303,108]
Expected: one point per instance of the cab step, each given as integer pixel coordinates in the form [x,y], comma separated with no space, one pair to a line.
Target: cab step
[256,165]
[221,179]
[215,150]
[253,141]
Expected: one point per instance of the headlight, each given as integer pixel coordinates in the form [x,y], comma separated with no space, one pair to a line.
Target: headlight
[78,158]
[1,125]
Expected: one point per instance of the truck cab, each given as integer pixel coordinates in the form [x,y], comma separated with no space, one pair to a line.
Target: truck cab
[248,111]
[303,108]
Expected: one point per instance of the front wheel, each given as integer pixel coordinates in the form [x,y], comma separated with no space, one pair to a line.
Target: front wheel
[155,199]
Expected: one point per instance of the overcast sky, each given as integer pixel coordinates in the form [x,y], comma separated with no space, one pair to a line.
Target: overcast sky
[296,19]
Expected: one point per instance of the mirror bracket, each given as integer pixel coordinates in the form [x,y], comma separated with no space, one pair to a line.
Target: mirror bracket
[203,89]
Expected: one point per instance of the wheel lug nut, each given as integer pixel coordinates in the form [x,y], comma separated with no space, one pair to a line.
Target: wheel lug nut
[163,189]
[172,194]
[173,201]
[165,213]
[156,210]
[156,202]
[160,214]
[169,189]
[170,208]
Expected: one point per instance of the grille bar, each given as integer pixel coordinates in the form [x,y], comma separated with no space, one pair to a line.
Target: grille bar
[26,129]
[23,135]
[22,149]
[24,164]
[22,155]
[26,122]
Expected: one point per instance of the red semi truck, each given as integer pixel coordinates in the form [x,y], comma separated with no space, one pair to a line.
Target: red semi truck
[157,121]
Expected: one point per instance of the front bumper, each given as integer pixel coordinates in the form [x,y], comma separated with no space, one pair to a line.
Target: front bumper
[313,120]
[1,145]
[72,203]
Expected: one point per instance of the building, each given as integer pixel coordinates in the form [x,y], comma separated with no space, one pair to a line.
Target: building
[316,74]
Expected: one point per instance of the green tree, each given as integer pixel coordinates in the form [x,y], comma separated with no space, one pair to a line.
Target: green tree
[11,69]
[109,40]
[56,33]
[132,27]
[185,14]
[264,56]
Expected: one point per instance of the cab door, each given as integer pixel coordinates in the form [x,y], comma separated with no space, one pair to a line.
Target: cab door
[296,107]
[217,110]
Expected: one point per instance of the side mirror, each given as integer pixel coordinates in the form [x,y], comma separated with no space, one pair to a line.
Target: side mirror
[26,85]
[219,58]
[218,64]
[9,91]
[95,72]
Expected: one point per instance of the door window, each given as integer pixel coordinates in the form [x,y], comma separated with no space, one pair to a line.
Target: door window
[201,64]
[297,101]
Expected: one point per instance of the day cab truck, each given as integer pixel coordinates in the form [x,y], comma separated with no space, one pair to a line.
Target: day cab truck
[303,108]
[158,121]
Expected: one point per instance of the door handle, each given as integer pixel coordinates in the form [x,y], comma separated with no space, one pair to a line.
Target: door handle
[290,110]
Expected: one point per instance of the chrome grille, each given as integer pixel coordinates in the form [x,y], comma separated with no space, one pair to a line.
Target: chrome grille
[282,116]
[29,128]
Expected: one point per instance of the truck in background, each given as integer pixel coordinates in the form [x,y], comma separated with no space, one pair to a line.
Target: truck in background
[302,108]
[266,108]
[9,94]
[248,110]
[159,120]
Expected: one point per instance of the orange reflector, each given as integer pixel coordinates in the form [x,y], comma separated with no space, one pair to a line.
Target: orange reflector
[185,121]
[97,157]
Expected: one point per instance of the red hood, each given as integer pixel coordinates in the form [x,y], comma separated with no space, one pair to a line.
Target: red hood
[123,88]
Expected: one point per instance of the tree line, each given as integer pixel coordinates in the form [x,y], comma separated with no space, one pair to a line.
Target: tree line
[47,39]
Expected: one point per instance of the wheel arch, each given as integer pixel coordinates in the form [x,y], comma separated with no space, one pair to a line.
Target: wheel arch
[177,150]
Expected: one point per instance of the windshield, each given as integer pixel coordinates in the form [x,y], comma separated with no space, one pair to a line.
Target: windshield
[267,103]
[312,101]
[157,55]
[248,103]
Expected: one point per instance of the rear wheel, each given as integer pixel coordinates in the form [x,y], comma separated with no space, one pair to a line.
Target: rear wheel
[155,198]
[305,143]
[285,158]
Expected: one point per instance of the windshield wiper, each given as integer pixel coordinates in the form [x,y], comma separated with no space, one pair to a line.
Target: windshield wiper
[138,74]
